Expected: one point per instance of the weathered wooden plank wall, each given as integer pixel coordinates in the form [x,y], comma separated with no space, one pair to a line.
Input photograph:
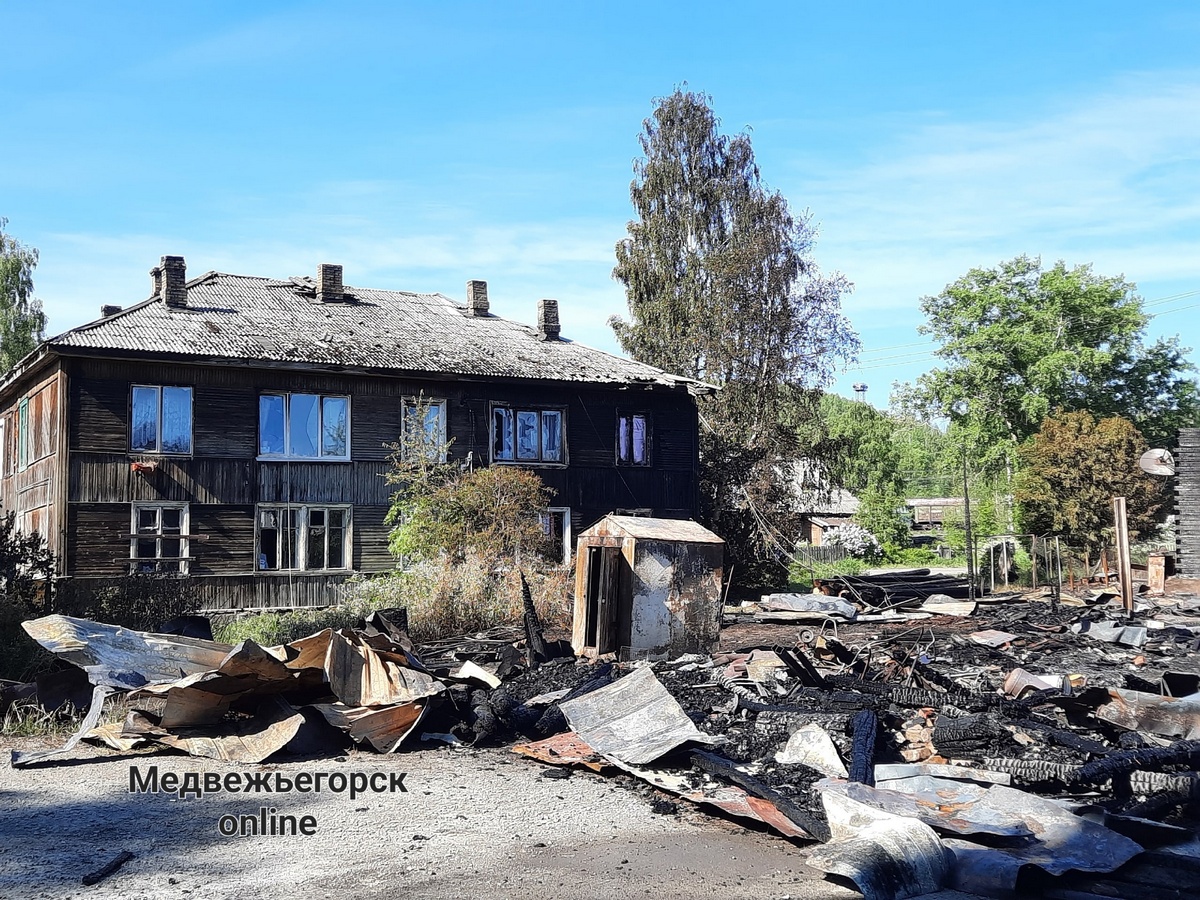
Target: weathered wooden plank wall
[34,492]
[223,479]
[1187,503]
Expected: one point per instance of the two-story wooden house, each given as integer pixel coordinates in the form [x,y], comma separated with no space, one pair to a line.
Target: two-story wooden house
[237,429]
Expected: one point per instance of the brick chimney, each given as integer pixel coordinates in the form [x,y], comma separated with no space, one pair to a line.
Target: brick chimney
[477,301]
[548,329]
[156,282]
[329,283]
[172,280]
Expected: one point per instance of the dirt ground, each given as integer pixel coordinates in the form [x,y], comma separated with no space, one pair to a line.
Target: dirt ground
[473,824]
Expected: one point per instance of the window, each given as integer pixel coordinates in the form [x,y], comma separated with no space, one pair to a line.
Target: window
[23,435]
[633,439]
[556,525]
[303,538]
[159,542]
[303,426]
[527,435]
[160,419]
[424,423]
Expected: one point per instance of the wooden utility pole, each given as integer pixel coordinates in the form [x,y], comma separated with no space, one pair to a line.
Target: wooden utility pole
[1124,568]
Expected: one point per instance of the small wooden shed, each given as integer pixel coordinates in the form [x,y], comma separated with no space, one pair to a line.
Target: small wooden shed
[647,586]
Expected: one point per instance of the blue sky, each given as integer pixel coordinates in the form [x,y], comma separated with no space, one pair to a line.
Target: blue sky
[421,145]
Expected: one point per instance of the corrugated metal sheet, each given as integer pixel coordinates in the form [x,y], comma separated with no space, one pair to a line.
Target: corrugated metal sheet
[256,319]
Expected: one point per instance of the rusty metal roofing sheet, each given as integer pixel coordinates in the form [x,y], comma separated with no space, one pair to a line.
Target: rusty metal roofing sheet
[263,320]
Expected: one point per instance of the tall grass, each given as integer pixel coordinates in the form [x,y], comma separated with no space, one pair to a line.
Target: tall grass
[801,576]
[442,599]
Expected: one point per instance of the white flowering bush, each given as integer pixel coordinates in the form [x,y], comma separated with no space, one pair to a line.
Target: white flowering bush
[856,540]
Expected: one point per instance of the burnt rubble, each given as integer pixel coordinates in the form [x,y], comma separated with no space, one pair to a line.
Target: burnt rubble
[1035,745]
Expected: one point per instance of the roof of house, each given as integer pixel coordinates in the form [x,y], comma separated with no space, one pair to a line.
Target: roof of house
[648,528]
[264,320]
[831,502]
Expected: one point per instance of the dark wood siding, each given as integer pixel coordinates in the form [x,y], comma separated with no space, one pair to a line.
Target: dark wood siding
[228,545]
[97,538]
[222,480]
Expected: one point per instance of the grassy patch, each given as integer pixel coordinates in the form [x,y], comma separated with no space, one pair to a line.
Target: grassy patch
[801,577]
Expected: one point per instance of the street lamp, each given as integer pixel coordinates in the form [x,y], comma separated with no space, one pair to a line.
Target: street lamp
[960,408]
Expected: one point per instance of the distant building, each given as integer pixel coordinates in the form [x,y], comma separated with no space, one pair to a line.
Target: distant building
[930,513]
[823,510]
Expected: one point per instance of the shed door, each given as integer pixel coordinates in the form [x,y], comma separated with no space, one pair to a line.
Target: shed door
[603,599]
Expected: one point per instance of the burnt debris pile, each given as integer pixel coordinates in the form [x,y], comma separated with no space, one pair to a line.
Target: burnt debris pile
[1014,748]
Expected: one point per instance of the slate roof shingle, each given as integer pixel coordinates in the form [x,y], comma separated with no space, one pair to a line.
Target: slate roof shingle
[263,320]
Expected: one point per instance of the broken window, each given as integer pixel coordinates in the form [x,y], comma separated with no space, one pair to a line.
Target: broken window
[303,538]
[304,426]
[159,542]
[556,526]
[160,419]
[527,435]
[633,439]
[424,424]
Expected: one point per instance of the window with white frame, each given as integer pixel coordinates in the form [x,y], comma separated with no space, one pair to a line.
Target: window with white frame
[160,419]
[527,435]
[302,538]
[633,439]
[159,542]
[424,424]
[556,526]
[304,426]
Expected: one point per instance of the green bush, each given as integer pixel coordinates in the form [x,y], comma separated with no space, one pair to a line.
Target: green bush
[141,602]
[26,568]
[268,629]
[802,575]
[911,557]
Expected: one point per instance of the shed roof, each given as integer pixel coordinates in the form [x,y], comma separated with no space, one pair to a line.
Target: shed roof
[264,320]
[657,529]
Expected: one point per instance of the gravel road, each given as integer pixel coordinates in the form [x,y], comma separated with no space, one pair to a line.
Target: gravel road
[472,824]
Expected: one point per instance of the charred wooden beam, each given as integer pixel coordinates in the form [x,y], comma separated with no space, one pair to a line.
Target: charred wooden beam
[1063,738]
[535,640]
[1147,759]
[107,869]
[865,729]
[798,664]
[811,821]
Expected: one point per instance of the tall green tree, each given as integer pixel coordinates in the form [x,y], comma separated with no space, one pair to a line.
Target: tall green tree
[722,287]
[22,322]
[856,444]
[1072,469]
[1020,341]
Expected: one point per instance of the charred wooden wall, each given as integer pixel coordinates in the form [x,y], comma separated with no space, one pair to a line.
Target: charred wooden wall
[1187,503]
[223,479]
